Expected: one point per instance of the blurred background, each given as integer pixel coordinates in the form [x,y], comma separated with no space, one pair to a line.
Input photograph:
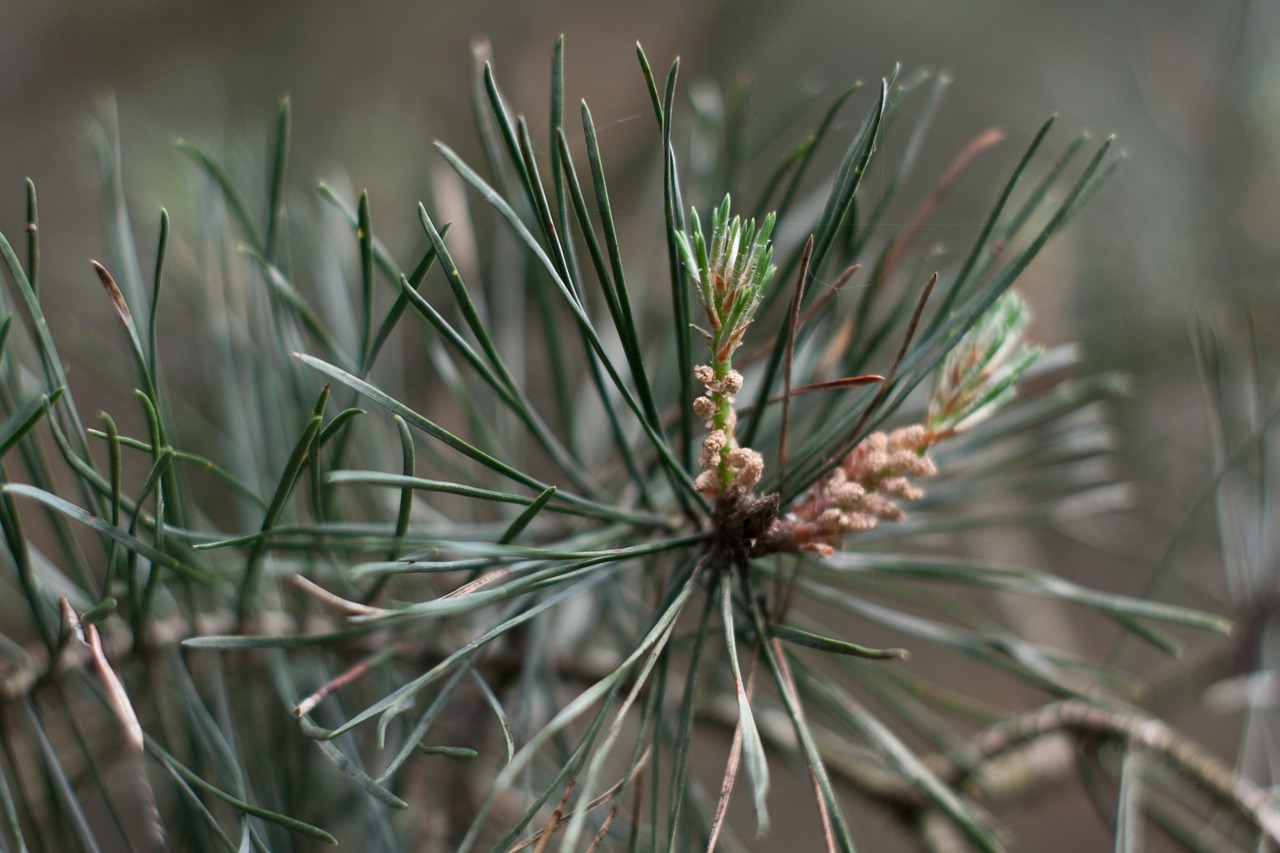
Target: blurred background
[1187,232]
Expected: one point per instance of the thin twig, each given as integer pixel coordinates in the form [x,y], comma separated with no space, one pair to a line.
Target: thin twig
[832,292]
[116,694]
[1146,733]
[731,766]
[122,707]
[887,385]
[604,829]
[908,236]
[793,326]
[541,836]
[1009,760]
[789,684]
[479,583]
[352,673]
[113,290]
[930,204]
[345,605]
[785,591]
[21,677]
[837,384]
[556,815]
[761,350]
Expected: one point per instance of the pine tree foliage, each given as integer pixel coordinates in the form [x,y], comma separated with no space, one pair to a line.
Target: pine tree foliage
[413,547]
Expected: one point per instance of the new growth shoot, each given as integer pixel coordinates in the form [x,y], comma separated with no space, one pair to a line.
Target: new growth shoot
[731,275]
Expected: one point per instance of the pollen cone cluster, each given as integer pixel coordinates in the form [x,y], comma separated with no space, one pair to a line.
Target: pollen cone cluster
[868,486]
[728,471]
[875,480]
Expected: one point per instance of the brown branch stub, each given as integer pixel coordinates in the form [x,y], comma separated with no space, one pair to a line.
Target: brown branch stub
[116,693]
[113,290]
[337,602]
